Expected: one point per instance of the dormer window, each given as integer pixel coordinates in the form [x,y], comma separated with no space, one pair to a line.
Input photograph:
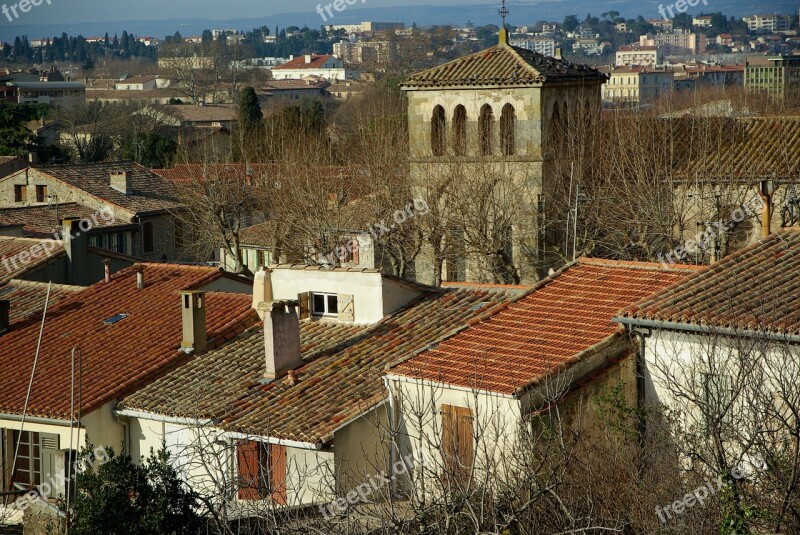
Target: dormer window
[324,304]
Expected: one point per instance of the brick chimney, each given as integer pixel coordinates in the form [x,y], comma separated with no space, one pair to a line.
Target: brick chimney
[5,316]
[193,314]
[281,337]
[121,181]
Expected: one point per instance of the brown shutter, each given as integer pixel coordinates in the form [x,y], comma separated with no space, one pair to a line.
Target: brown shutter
[277,473]
[249,464]
[346,308]
[458,448]
[305,309]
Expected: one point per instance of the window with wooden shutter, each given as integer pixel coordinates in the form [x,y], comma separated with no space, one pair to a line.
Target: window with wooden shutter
[305,305]
[346,308]
[458,449]
[249,455]
[277,473]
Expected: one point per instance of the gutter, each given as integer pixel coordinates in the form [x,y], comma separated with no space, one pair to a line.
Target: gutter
[271,440]
[127,413]
[36,420]
[706,329]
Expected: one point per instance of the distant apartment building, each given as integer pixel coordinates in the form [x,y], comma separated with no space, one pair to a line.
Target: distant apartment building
[768,22]
[704,21]
[550,27]
[58,94]
[368,27]
[137,83]
[324,66]
[710,75]
[639,55]
[664,25]
[365,51]
[676,42]
[776,76]
[542,45]
[637,85]
[621,27]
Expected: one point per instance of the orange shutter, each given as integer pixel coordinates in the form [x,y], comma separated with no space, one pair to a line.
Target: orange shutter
[248,462]
[458,449]
[277,473]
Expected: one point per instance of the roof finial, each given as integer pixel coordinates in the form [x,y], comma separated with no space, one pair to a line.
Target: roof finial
[503,32]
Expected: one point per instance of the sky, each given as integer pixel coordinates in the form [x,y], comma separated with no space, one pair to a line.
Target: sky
[70,11]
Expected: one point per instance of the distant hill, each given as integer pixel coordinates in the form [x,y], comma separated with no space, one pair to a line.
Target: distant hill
[522,13]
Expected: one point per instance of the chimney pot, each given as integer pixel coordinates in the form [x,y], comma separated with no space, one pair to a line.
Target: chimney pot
[107,269]
[193,317]
[140,278]
[309,58]
[262,289]
[5,316]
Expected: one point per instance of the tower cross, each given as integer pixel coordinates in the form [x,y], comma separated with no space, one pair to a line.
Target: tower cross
[504,13]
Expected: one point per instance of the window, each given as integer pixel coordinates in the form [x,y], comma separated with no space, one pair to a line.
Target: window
[508,127]
[41,193]
[324,304]
[486,127]
[20,193]
[717,398]
[458,448]
[438,131]
[555,127]
[147,237]
[460,130]
[262,471]
[29,468]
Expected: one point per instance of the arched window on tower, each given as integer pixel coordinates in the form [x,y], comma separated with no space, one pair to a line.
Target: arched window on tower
[508,125]
[555,128]
[566,124]
[486,130]
[438,132]
[460,130]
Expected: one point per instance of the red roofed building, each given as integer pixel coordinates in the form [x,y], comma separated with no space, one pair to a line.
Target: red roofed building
[558,339]
[324,66]
[125,332]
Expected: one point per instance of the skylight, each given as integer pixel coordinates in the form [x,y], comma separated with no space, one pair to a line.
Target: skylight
[115,319]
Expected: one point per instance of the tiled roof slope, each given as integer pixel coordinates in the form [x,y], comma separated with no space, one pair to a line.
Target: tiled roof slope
[43,221]
[151,193]
[753,148]
[28,297]
[755,288]
[504,66]
[341,380]
[564,316]
[11,264]
[300,62]
[116,358]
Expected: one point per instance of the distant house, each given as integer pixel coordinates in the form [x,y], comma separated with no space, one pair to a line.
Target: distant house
[704,21]
[325,66]
[51,93]
[636,54]
[310,86]
[637,85]
[137,205]
[138,83]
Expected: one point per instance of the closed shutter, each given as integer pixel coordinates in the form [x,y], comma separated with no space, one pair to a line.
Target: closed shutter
[277,473]
[248,457]
[305,305]
[458,449]
[346,308]
[48,450]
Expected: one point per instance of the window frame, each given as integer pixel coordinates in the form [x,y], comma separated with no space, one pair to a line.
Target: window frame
[326,312]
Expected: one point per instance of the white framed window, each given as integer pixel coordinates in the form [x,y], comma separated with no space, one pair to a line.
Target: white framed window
[324,304]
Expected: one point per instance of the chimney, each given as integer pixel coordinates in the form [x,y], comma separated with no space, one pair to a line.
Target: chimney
[193,315]
[281,337]
[107,270]
[121,181]
[76,245]
[309,58]
[33,159]
[5,316]
[140,278]
[262,288]
[766,188]
[558,53]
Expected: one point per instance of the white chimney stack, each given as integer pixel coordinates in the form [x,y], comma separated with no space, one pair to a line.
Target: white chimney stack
[262,288]
[281,337]
[193,315]
[122,182]
[309,58]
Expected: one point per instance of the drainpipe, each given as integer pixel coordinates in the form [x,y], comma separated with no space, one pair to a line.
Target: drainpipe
[392,434]
[641,385]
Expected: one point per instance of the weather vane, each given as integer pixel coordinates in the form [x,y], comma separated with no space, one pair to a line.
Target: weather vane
[504,13]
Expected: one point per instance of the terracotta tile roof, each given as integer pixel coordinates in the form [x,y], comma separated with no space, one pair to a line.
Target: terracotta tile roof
[261,235]
[43,221]
[755,288]
[504,66]
[188,173]
[342,379]
[565,315]
[11,263]
[192,113]
[754,147]
[28,297]
[118,358]
[151,193]
[6,159]
[300,62]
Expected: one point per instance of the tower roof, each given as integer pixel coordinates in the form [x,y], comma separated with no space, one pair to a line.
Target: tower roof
[501,66]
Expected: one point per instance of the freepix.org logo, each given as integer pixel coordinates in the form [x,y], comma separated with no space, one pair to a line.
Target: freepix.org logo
[336,5]
[12,12]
